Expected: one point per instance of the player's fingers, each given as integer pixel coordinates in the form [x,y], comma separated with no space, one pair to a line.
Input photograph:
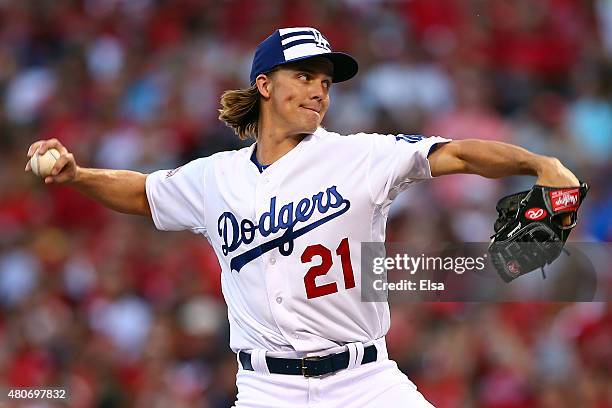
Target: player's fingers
[60,164]
[62,150]
[66,175]
[45,145]
[52,144]
[33,147]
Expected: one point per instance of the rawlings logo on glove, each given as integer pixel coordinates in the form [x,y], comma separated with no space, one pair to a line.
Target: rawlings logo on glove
[530,231]
[565,199]
[535,214]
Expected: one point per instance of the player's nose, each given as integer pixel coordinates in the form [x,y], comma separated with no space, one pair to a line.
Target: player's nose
[318,90]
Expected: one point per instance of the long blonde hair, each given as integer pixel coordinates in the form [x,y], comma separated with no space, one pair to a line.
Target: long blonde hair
[240,111]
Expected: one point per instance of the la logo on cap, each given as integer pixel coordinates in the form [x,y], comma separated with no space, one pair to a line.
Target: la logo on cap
[321,42]
[287,45]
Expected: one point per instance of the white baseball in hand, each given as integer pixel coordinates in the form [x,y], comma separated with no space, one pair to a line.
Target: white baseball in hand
[43,163]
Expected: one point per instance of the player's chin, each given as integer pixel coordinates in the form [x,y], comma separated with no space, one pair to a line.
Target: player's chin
[312,123]
[307,126]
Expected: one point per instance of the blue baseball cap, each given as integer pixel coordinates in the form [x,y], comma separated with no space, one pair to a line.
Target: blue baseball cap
[297,43]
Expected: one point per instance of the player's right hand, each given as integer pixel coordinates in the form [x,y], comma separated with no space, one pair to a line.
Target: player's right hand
[65,168]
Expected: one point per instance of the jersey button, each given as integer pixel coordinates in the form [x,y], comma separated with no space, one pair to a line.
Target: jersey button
[279,300]
[272,261]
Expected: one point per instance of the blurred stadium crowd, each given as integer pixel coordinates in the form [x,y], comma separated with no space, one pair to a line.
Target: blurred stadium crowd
[123,315]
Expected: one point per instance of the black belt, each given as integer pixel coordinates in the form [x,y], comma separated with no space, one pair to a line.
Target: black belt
[309,366]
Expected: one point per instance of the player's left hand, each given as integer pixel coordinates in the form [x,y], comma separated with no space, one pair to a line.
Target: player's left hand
[528,232]
[552,173]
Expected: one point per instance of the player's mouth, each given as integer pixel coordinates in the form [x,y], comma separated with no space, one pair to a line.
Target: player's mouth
[312,109]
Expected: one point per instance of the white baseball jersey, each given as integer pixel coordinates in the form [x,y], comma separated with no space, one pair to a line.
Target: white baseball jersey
[288,238]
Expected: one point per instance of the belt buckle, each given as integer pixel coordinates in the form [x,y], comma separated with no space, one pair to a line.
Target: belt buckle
[304,368]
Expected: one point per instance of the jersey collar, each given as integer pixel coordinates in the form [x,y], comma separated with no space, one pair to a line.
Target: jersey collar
[295,150]
[260,166]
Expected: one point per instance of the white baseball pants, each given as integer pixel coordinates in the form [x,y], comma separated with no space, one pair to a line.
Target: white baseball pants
[372,385]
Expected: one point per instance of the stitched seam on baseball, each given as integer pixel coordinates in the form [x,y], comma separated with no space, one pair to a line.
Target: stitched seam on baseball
[37,163]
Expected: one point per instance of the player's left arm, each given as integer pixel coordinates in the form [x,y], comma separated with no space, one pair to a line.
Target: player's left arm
[496,159]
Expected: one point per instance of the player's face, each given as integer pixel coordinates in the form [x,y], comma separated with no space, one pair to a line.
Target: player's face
[299,95]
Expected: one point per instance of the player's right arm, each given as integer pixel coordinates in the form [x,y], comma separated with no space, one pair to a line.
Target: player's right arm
[119,190]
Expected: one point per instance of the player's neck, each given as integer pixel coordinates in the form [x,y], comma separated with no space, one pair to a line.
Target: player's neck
[272,145]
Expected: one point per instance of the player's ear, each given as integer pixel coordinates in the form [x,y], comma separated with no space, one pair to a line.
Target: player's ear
[264,84]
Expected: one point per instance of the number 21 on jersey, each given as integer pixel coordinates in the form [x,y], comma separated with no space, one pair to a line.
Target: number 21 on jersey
[343,252]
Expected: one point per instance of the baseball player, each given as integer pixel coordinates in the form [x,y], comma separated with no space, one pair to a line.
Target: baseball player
[286,217]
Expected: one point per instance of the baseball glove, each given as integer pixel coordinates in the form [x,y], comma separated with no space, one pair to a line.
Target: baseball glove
[529,230]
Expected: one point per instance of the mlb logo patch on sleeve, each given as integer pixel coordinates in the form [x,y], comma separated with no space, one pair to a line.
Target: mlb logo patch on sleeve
[409,138]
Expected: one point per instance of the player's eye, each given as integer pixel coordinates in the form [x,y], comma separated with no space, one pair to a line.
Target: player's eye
[303,76]
[327,84]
